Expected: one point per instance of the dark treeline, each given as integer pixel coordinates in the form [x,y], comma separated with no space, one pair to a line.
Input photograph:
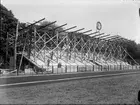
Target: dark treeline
[9,22]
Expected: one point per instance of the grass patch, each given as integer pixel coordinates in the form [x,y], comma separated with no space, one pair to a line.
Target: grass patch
[105,90]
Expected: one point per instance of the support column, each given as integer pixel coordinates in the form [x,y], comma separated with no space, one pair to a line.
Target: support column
[15,48]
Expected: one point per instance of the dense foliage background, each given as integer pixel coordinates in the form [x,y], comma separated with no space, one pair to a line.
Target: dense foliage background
[7,24]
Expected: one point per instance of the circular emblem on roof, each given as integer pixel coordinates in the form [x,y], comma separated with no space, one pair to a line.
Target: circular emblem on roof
[98,25]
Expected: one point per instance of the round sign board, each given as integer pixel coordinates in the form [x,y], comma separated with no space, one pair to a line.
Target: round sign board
[98,25]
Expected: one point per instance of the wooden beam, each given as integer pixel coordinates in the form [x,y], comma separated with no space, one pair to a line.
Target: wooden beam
[97,35]
[104,36]
[92,33]
[68,29]
[111,37]
[47,25]
[86,31]
[60,26]
[31,24]
[79,30]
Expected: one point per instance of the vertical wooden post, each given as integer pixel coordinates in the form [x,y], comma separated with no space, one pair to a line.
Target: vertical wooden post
[101,67]
[67,51]
[45,61]
[52,69]
[56,45]
[7,49]
[65,68]
[30,44]
[24,45]
[74,48]
[34,44]
[15,48]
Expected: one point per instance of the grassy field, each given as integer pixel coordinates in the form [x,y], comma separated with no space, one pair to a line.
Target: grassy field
[107,90]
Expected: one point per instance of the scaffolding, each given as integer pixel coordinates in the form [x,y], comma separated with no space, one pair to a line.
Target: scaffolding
[55,51]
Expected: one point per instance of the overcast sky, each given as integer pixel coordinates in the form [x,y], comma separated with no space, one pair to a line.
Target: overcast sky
[117,16]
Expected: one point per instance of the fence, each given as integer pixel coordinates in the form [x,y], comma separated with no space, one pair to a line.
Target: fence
[69,69]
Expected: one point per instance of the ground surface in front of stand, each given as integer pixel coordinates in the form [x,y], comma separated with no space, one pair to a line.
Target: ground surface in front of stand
[105,90]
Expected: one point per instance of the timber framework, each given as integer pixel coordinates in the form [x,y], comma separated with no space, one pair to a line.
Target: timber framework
[48,50]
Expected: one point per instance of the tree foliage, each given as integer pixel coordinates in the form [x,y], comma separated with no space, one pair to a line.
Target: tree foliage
[133,49]
[7,25]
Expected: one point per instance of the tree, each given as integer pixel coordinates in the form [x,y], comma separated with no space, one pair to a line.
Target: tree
[8,25]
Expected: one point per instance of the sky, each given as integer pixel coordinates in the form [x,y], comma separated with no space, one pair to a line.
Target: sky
[118,17]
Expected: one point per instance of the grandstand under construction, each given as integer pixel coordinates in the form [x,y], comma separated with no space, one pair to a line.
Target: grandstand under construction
[54,51]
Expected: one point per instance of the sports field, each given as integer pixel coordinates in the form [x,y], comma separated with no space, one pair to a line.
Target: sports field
[106,90]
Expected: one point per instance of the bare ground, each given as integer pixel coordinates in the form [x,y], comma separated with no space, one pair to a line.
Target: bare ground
[105,90]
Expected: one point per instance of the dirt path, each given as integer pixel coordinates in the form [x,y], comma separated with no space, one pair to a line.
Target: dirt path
[117,89]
